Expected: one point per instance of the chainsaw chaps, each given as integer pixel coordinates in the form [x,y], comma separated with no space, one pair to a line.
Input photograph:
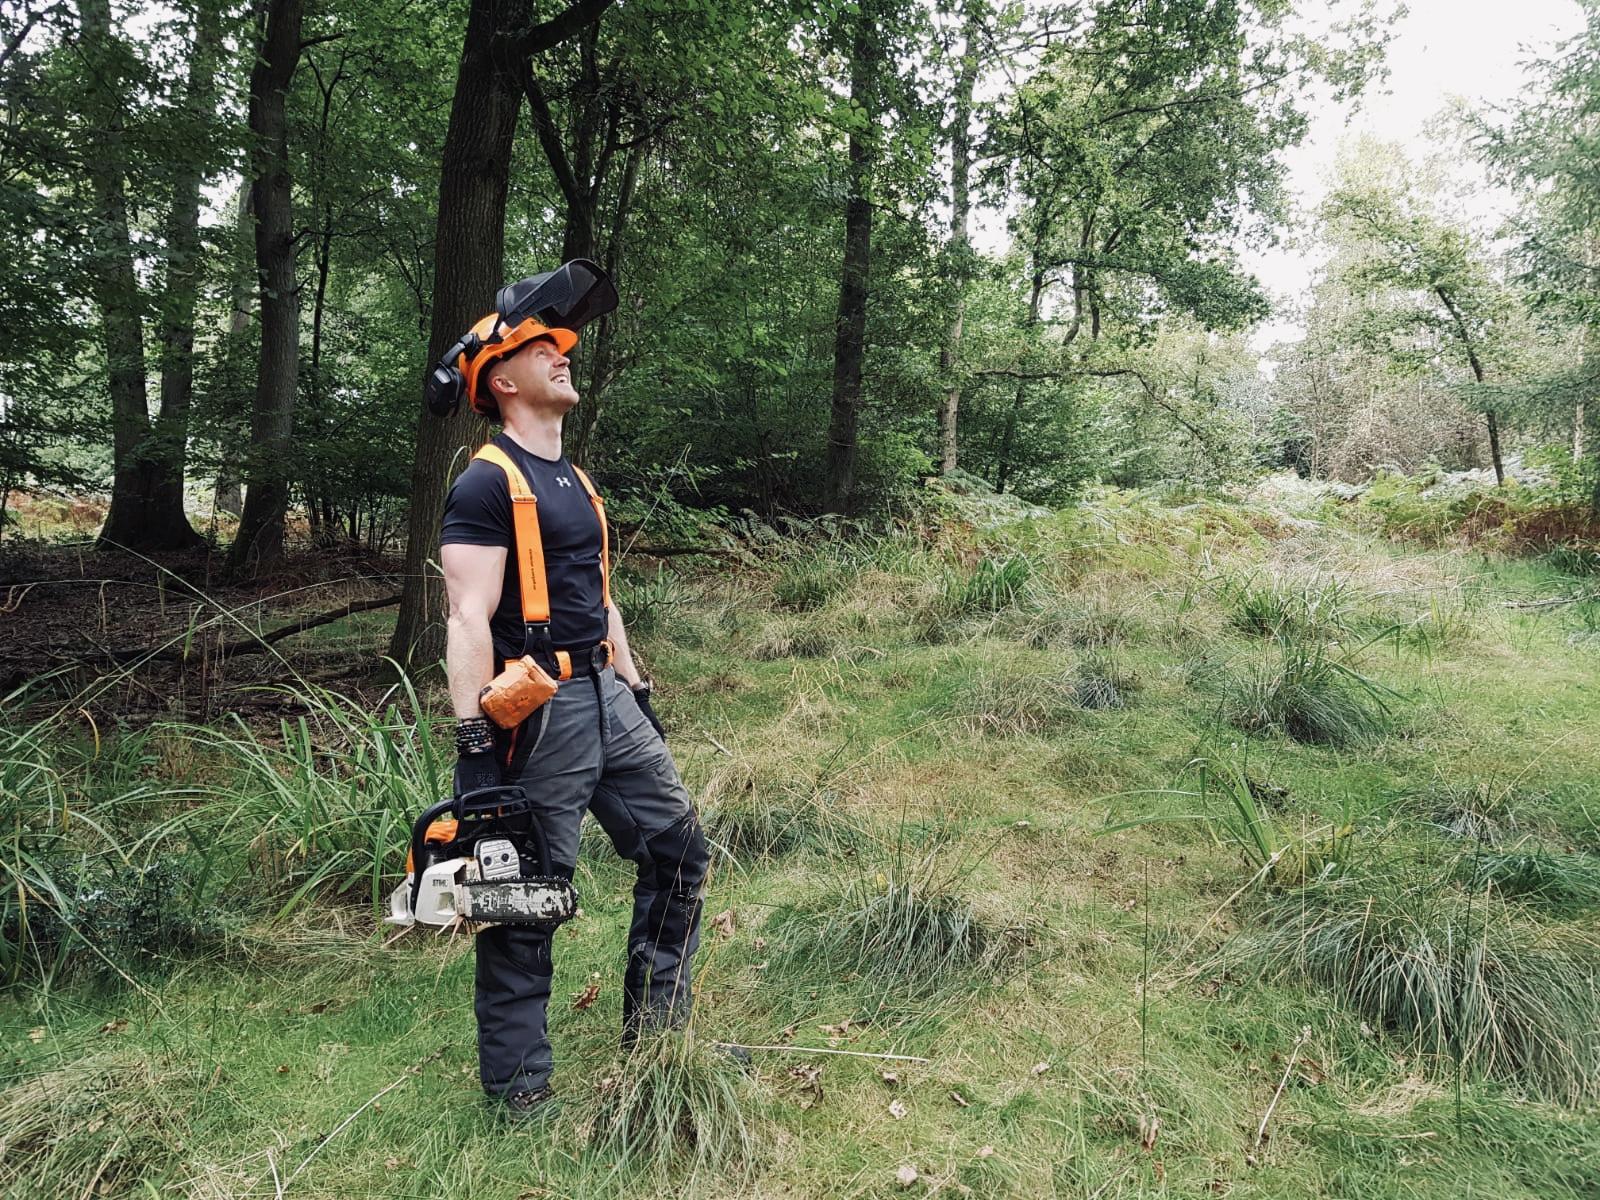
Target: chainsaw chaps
[482,859]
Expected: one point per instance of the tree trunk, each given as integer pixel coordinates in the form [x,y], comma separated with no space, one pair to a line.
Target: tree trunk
[116,289]
[602,337]
[1008,439]
[469,258]
[259,545]
[183,286]
[960,251]
[229,494]
[850,327]
[1494,448]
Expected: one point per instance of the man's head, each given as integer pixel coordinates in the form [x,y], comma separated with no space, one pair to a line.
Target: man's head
[494,350]
[536,374]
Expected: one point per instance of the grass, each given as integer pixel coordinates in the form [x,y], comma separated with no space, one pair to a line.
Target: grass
[1310,691]
[677,1107]
[912,860]
[1454,975]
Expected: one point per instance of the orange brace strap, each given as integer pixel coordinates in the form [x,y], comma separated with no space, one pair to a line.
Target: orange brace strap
[605,537]
[564,663]
[529,545]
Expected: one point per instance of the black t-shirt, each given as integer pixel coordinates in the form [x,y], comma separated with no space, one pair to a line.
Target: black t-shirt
[478,513]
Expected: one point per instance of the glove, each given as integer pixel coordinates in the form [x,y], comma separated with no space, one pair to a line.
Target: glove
[478,766]
[641,695]
[474,771]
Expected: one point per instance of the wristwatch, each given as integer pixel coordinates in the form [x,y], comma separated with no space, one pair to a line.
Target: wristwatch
[643,688]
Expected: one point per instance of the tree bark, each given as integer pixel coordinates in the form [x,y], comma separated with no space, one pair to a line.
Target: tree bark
[960,250]
[229,494]
[1477,373]
[469,258]
[259,545]
[850,326]
[116,288]
[182,290]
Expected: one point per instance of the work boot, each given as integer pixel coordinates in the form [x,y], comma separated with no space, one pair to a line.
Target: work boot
[529,1104]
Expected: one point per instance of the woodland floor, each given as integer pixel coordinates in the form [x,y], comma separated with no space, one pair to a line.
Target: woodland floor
[895,721]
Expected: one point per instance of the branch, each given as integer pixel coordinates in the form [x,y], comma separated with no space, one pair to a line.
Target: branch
[558,29]
[550,138]
[258,644]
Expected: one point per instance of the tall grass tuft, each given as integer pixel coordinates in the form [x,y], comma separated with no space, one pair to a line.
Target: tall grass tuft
[1010,704]
[907,930]
[70,815]
[1458,975]
[325,805]
[808,581]
[1101,682]
[1282,608]
[1309,692]
[754,810]
[675,1106]
[1535,873]
[993,585]
[94,1127]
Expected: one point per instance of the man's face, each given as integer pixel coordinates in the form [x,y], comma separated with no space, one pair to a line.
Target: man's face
[538,374]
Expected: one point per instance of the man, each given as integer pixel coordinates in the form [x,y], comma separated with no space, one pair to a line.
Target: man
[595,745]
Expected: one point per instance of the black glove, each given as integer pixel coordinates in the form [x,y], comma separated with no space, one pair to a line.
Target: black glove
[478,765]
[474,771]
[641,694]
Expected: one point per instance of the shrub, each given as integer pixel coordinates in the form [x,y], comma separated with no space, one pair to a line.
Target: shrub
[1456,974]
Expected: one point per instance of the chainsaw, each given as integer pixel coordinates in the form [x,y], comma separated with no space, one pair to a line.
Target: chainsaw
[481,858]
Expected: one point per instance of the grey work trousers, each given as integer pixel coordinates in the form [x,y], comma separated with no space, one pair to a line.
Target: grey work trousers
[593,749]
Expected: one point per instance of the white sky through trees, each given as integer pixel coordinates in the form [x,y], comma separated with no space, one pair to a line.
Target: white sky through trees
[1441,51]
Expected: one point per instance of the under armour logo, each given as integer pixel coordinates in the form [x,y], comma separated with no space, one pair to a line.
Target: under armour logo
[563,481]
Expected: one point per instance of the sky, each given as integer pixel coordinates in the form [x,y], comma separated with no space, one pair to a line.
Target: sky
[1472,49]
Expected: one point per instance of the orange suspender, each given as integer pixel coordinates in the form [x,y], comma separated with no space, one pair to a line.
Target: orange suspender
[530,546]
[605,540]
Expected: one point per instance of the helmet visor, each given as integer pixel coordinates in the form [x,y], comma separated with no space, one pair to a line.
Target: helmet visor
[567,298]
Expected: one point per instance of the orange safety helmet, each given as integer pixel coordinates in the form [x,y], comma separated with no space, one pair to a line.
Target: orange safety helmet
[554,305]
[496,342]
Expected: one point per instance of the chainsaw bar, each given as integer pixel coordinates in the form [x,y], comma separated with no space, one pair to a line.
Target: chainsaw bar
[540,900]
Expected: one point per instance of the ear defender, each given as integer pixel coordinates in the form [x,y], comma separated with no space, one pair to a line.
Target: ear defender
[446,386]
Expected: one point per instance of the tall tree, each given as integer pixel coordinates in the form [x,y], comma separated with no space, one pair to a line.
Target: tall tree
[469,258]
[866,56]
[1400,243]
[959,249]
[141,515]
[259,544]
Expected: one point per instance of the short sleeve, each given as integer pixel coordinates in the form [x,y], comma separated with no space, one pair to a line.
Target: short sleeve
[478,509]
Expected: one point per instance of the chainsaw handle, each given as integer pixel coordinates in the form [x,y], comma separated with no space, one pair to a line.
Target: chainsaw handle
[419,841]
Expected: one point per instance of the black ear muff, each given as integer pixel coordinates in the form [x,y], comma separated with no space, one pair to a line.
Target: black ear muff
[444,389]
[446,386]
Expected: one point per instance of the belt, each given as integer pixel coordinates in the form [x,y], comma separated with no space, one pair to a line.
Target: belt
[573,662]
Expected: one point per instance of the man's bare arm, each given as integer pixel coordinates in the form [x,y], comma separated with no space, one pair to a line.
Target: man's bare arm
[473,576]
[626,670]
